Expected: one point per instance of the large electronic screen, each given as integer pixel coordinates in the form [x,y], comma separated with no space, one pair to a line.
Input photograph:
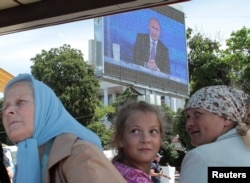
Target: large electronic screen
[128,51]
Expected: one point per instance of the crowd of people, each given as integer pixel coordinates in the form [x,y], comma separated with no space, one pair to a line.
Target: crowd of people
[54,147]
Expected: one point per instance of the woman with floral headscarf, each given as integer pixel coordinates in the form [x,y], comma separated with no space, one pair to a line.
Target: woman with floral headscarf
[217,122]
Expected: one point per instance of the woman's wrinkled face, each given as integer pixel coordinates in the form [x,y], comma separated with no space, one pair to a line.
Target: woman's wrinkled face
[18,111]
[205,127]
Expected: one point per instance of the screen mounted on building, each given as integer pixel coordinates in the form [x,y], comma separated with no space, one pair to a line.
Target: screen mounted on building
[146,47]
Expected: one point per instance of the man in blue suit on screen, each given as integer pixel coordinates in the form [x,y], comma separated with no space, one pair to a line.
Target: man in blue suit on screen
[149,51]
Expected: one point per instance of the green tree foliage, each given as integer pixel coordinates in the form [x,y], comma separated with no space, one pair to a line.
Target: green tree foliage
[104,133]
[102,111]
[205,64]
[126,95]
[169,153]
[179,128]
[98,127]
[237,54]
[169,119]
[72,79]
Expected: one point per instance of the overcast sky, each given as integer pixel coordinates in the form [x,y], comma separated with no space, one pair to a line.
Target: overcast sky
[211,17]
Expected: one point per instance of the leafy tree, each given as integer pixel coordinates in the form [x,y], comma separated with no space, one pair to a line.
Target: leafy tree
[128,94]
[205,64]
[102,111]
[212,72]
[72,79]
[179,128]
[104,132]
[169,116]
[244,79]
[237,54]
[101,130]
[169,152]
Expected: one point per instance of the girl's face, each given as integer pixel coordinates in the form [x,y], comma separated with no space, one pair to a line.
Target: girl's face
[142,138]
[205,127]
[18,111]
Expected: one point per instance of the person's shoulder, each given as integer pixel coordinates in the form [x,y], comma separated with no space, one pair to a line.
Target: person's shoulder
[225,141]
[200,154]
[143,34]
[153,164]
[68,138]
[69,144]
[203,149]
[206,152]
[162,45]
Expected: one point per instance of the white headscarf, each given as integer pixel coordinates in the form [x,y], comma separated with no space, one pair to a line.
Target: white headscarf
[224,101]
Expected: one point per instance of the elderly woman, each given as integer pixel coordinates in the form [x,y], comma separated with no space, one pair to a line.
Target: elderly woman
[217,122]
[52,145]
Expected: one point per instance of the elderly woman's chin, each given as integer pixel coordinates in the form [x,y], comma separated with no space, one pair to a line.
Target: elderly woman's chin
[18,135]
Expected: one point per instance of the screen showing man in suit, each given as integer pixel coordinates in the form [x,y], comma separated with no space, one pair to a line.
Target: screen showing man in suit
[149,51]
[124,41]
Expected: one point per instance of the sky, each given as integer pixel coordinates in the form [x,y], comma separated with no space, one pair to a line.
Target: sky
[211,17]
[214,17]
